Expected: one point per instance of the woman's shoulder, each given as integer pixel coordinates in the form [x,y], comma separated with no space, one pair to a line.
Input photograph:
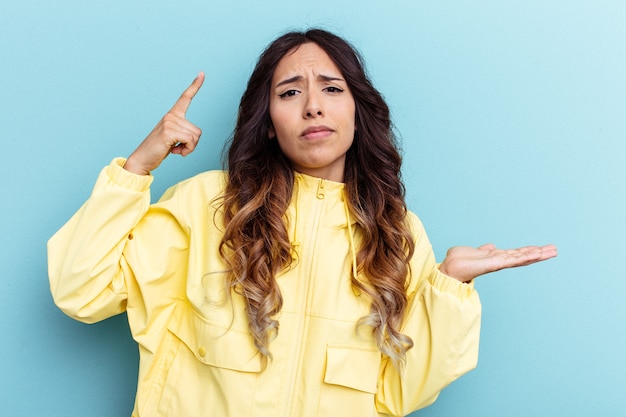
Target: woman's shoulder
[208,184]
[208,179]
[217,178]
[415,225]
[413,219]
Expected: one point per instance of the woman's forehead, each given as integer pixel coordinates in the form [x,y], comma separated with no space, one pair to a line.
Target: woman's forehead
[305,60]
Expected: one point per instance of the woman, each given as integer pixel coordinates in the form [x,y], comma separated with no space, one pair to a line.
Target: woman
[296,283]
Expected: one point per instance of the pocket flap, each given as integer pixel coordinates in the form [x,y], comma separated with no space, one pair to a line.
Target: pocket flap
[353,367]
[215,345]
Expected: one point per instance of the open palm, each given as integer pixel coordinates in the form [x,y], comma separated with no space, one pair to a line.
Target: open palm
[466,263]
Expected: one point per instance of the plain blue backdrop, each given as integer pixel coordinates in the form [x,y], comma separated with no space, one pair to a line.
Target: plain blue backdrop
[512,116]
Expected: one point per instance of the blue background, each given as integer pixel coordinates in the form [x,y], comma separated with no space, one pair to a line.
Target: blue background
[513,120]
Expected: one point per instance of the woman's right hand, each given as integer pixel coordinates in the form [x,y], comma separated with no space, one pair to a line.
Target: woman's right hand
[173,134]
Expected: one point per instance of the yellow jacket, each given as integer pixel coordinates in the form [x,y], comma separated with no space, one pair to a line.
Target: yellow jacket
[160,263]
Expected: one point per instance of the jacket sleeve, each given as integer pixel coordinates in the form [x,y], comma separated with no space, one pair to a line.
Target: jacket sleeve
[86,265]
[443,320]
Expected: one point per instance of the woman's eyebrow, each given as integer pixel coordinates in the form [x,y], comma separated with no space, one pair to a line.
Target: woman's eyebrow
[290,80]
[329,78]
[321,77]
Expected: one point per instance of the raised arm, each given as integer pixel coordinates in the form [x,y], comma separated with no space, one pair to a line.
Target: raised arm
[86,261]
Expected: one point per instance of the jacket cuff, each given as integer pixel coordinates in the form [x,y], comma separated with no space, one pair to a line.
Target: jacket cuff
[450,285]
[118,175]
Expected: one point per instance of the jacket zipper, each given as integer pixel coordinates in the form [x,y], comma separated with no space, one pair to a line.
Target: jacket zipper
[308,278]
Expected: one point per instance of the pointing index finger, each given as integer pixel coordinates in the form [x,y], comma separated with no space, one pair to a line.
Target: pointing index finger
[182,104]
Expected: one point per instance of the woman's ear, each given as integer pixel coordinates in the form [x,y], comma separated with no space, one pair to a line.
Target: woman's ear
[271,133]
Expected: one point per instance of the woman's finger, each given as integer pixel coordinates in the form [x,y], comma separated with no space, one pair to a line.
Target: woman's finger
[182,104]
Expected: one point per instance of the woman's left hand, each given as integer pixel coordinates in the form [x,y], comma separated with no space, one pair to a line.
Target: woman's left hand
[465,263]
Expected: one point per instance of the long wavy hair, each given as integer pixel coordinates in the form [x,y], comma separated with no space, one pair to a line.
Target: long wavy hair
[256,244]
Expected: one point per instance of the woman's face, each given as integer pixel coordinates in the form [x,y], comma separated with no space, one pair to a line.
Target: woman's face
[312,112]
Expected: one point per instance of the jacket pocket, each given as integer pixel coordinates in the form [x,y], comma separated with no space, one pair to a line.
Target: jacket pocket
[209,366]
[353,367]
[350,381]
[216,345]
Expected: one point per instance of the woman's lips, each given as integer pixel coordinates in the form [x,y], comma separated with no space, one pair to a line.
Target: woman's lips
[316,132]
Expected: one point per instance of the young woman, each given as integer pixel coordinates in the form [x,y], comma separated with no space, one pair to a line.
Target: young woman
[296,283]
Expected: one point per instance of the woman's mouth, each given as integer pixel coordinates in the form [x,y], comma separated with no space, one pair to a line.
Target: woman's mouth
[316,132]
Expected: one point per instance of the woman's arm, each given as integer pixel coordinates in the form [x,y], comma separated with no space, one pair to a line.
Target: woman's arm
[443,320]
[85,257]
[86,265]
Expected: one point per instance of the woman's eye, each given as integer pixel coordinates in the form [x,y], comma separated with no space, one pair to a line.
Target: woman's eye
[288,93]
[332,89]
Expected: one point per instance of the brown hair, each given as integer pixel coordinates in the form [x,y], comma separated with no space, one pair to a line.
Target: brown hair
[260,181]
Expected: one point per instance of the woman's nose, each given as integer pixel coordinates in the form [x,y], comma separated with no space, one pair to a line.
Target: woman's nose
[313,106]
[313,114]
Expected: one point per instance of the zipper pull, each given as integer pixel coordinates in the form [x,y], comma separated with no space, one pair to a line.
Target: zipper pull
[294,250]
[320,189]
